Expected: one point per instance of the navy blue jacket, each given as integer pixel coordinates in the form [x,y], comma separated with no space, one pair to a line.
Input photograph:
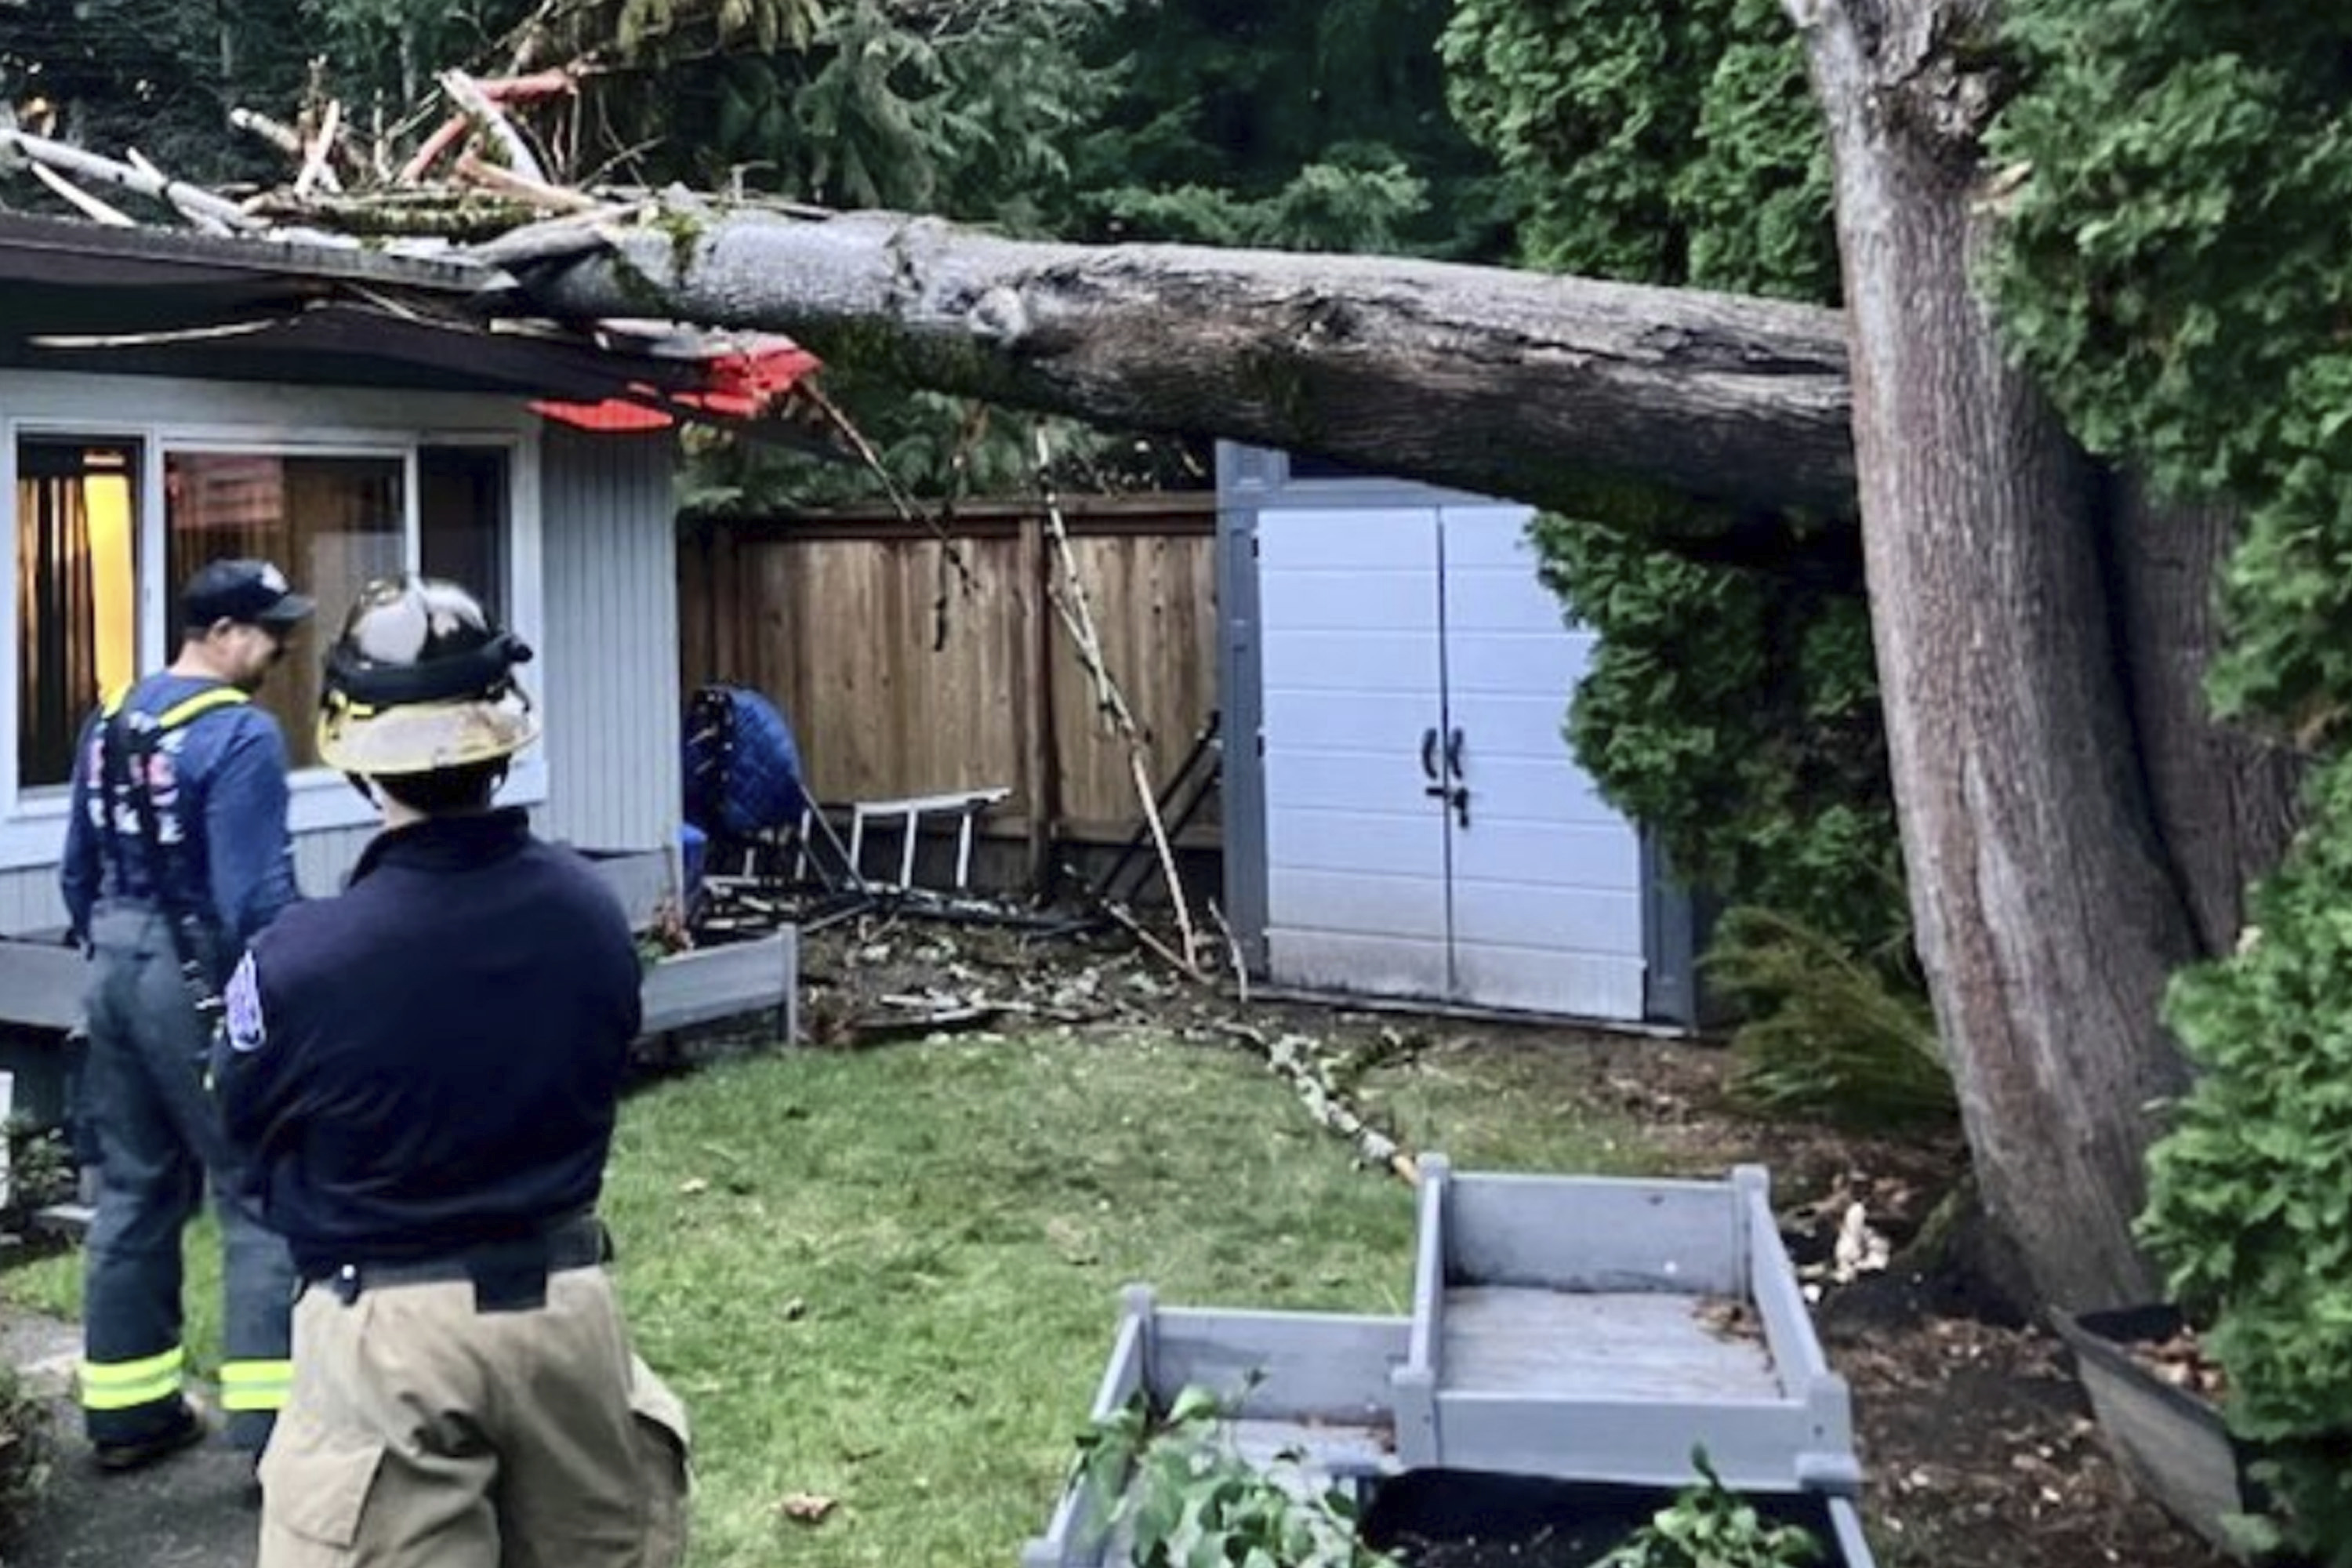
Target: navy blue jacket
[432,1059]
[230,769]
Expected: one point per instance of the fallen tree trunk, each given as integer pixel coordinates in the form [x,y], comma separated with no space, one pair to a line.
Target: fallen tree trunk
[1715,424]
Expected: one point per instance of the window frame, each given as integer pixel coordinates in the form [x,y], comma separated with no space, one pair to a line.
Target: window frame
[167,415]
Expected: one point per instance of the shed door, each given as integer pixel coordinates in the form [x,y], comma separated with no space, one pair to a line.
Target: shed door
[1546,878]
[1350,660]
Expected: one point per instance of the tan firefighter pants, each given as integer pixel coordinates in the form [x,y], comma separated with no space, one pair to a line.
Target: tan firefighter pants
[425,1434]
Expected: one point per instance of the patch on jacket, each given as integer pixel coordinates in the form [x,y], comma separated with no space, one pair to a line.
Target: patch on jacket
[242,1008]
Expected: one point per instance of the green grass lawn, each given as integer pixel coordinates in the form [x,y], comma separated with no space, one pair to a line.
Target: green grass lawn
[891,1278]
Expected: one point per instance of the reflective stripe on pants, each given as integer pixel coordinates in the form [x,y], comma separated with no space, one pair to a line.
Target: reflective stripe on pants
[255,1384]
[129,1384]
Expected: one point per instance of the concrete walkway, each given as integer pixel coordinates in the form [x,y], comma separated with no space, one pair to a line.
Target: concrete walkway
[189,1512]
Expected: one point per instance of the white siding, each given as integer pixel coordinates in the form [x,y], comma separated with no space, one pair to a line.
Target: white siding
[28,899]
[609,671]
[1356,867]
[1382,628]
[1547,879]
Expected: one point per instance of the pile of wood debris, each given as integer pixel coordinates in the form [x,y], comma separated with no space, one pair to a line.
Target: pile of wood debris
[879,979]
[487,178]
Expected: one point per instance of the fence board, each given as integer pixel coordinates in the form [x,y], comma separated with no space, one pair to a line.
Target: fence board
[833,616]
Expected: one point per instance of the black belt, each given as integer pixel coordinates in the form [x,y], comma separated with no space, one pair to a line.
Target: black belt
[507,1276]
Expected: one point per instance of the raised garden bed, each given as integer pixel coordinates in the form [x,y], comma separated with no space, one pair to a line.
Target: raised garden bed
[1595,1329]
[707,984]
[1314,1385]
[1451,1519]
[1581,1336]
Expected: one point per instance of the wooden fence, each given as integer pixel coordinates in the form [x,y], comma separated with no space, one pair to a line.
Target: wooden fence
[838,618]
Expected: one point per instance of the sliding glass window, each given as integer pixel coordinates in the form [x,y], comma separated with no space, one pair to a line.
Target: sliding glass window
[332,519]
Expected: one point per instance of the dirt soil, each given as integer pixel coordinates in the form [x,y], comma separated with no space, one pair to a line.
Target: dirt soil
[1976,1442]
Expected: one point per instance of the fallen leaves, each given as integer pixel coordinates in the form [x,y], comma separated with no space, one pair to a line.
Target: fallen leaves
[2181,1362]
[807,1508]
[1728,1318]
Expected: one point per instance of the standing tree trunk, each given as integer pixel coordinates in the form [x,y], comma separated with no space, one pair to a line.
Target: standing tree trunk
[2225,800]
[2048,912]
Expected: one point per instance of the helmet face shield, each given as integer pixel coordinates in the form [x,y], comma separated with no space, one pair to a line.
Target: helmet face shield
[422,679]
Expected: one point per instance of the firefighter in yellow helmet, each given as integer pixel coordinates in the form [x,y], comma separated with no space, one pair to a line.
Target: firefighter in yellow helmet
[425,1071]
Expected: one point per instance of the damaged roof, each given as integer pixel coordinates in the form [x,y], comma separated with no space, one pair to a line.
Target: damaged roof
[83,295]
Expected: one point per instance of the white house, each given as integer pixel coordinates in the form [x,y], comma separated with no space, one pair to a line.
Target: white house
[167,397]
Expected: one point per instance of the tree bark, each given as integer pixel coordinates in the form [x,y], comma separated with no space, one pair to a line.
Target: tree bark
[2048,914]
[2226,801]
[1608,401]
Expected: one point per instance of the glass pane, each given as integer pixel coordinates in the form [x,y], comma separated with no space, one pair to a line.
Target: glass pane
[333,524]
[76,602]
[461,506]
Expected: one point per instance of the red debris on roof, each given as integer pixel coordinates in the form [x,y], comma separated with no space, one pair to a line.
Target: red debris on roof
[736,385]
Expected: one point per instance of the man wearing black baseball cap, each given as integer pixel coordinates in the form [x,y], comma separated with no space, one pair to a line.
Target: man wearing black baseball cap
[227,595]
[177,854]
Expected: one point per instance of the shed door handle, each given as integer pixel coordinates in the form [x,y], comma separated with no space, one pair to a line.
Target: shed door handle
[1454,795]
[1429,753]
[1453,753]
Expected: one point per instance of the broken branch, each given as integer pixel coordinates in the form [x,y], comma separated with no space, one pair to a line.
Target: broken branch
[81,201]
[287,140]
[559,81]
[208,224]
[468,96]
[276,132]
[537,192]
[446,135]
[1232,953]
[1070,599]
[1293,1058]
[148,181]
[1142,933]
[314,163]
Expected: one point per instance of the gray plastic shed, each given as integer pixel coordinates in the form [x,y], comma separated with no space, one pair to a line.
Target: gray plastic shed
[1403,814]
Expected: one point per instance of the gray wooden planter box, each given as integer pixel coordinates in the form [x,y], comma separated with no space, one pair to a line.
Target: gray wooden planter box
[41,983]
[1312,1383]
[707,983]
[1558,1331]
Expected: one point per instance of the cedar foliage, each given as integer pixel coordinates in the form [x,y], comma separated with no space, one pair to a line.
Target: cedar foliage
[1733,713]
[2174,275]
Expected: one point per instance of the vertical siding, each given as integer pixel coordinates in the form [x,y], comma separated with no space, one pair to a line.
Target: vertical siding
[29,898]
[323,857]
[611,663]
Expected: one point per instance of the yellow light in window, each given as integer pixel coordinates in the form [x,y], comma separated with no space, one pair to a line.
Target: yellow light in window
[114,608]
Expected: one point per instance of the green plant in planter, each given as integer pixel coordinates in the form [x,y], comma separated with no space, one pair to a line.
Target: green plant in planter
[41,1164]
[1711,1526]
[2250,1200]
[1188,1501]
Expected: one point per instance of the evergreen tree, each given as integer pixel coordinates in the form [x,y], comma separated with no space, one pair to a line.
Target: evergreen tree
[1734,712]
